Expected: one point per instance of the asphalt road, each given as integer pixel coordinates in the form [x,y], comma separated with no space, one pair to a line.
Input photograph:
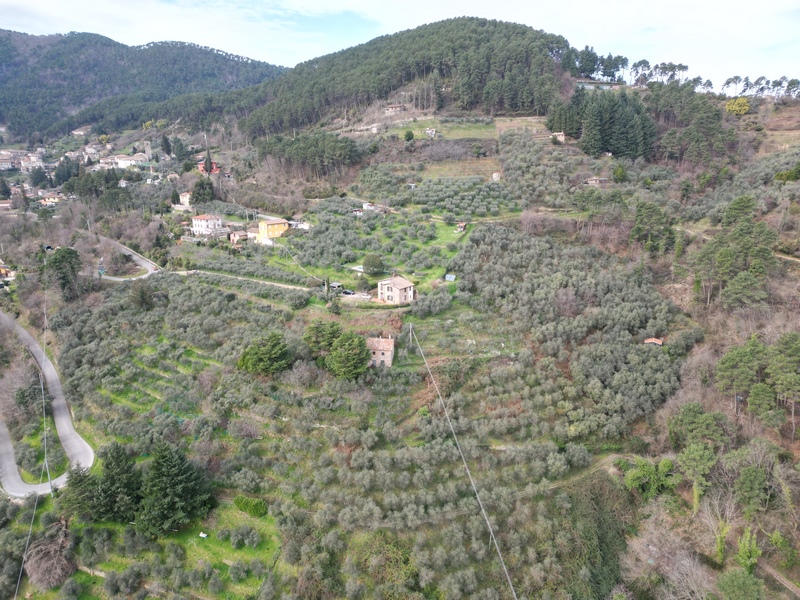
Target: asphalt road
[77,449]
[140,260]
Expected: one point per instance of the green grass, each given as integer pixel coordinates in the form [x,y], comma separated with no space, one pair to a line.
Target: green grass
[220,553]
[449,131]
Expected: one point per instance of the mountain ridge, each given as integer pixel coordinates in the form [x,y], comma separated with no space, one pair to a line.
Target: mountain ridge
[46,79]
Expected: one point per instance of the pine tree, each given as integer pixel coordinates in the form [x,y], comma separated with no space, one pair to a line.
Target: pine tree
[120,488]
[175,493]
[782,371]
[738,584]
[78,497]
[349,356]
[697,460]
[320,336]
[266,356]
[591,140]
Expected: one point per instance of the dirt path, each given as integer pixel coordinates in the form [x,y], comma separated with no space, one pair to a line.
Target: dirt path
[779,578]
[242,278]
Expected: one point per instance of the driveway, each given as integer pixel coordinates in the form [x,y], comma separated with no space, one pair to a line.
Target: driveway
[77,449]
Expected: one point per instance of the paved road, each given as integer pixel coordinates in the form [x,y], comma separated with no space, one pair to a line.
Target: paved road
[140,260]
[77,449]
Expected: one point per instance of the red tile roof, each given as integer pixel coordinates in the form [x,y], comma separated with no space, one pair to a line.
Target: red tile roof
[381,344]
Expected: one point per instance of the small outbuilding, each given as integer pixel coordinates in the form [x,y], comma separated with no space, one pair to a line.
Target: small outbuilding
[654,341]
[381,351]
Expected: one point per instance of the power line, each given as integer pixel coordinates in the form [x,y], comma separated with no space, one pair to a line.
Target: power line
[466,466]
[41,385]
[28,541]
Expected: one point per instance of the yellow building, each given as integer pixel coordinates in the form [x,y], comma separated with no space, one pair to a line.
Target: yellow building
[270,229]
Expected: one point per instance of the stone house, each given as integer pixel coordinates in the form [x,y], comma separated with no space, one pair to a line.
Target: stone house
[382,351]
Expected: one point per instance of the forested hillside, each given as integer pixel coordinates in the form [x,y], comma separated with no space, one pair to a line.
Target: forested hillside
[502,65]
[44,79]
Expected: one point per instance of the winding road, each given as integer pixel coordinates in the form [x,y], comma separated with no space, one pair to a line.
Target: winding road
[140,260]
[76,448]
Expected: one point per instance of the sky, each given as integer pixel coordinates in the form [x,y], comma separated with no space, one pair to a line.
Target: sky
[715,39]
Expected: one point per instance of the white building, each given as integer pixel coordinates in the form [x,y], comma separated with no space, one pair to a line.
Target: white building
[185,202]
[205,224]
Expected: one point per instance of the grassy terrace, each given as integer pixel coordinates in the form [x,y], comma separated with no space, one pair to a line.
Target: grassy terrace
[452,130]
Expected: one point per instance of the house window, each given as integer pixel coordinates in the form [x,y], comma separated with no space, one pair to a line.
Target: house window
[389,298]
[382,353]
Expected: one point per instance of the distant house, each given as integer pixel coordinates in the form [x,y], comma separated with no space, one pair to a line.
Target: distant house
[238,237]
[31,162]
[185,202]
[201,166]
[123,161]
[252,233]
[559,136]
[382,351]
[51,197]
[269,229]
[461,227]
[205,224]
[654,341]
[394,108]
[367,206]
[5,204]
[81,131]
[395,290]
[358,212]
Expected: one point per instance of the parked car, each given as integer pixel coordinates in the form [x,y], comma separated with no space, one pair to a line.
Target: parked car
[348,292]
